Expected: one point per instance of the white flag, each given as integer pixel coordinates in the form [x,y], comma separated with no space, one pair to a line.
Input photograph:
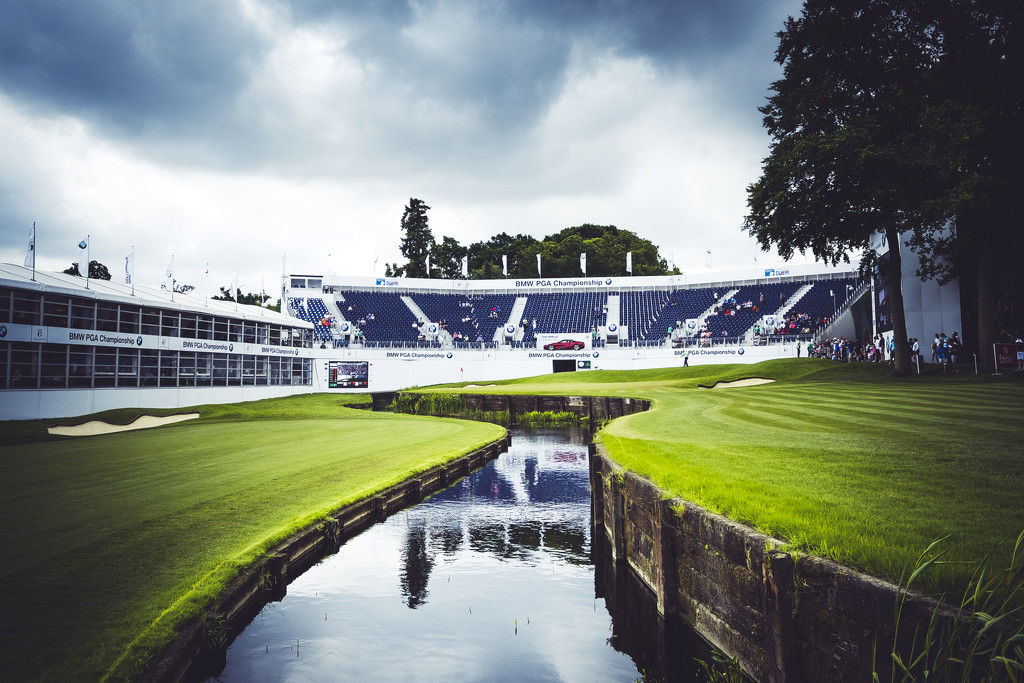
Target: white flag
[583,262]
[30,255]
[707,259]
[465,266]
[504,265]
[129,267]
[629,262]
[83,257]
[428,265]
[169,275]
[538,266]
[234,287]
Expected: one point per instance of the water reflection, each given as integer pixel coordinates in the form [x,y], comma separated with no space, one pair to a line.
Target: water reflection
[489,580]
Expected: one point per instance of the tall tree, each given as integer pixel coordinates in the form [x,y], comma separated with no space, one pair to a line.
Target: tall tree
[847,154]
[446,259]
[417,239]
[973,120]
[97,271]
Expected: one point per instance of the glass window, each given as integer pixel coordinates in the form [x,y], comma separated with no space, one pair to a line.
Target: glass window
[188,325]
[169,323]
[5,307]
[204,327]
[151,321]
[127,366]
[249,333]
[220,370]
[314,283]
[275,370]
[262,370]
[187,369]
[248,370]
[129,319]
[235,332]
[26,308]
[298,283]
[220,330]
[106,316]
[106,367]
[4,370]
[83,314]
[55,366]
[149,367]
[55,311]
[234,370]
[168,368]
[24,366]
[80,366]
[204,367]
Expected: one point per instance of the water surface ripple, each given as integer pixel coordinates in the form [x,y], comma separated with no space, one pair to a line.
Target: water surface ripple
[488,580]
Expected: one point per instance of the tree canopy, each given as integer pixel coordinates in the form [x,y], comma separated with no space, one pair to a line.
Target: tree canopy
[606,247]
[97,271]
[869,133]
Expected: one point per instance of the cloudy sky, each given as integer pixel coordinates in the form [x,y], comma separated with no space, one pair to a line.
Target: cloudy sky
[234,132]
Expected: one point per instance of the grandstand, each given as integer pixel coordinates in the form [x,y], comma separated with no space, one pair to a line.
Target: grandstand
[67,350]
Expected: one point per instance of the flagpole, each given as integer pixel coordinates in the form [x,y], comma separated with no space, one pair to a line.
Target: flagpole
[88,245]
[133,270]
[33,251]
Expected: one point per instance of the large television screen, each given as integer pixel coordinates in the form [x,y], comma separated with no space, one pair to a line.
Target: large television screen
[348,374]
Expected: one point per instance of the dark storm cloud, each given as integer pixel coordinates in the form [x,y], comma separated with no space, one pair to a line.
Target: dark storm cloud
[128,66]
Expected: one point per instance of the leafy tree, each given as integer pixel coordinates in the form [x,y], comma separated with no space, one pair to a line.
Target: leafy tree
[521,250]
[417,240]
[973,119]
[251,299]
[846,159]
[97,271]
[899,116]
[446,259]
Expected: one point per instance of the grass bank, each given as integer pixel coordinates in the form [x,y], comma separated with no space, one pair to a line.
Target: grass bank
[843,461]
[112,541]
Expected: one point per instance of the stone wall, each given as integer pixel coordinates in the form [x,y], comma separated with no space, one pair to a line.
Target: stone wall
[786,617]
[597,408]
[202,645]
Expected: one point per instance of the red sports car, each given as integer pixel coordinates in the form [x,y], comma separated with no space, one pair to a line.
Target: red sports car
[564,344]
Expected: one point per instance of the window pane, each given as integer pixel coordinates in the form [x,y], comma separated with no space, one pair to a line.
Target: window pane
[80,367]
[129,319]
[55,311]
[106,368]
[149,361]
[127,367]
[24,366]
[106,317]
[55,366]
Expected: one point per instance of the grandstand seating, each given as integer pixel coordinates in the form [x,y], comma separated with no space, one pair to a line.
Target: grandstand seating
[386,319]
[451,309]
[314,310]
[564,313]
[382,316]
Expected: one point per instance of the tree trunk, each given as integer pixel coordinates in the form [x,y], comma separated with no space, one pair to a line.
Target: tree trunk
[901,355]
[986,306]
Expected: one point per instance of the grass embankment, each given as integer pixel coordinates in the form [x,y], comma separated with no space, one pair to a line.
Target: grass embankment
[112,541]
[843,461]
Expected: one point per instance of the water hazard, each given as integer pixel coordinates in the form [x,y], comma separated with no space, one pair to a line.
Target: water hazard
[488,580]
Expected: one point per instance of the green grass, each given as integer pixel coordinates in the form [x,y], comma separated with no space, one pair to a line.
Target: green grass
[840,460]
[113,541]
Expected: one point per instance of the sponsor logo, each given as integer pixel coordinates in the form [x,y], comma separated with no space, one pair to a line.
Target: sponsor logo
[138,340]
[385,282]
[740,351]
[433,327]
[510,328]
[231,347]
[449,354]
[613,327]
[3,330]
[596,354]
[776,272]
[608,281]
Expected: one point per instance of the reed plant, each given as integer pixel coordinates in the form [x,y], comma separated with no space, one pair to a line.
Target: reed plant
[979,639]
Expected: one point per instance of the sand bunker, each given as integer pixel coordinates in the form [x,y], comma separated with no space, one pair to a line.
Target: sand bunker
[478,386]
[751,382]
[96,427]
